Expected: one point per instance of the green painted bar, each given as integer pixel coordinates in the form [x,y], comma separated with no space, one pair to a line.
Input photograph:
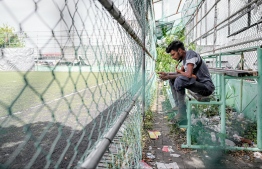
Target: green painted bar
[219,77]
[220,83]
[188,136]
[259,96]
[205,103]
[217,82]
[183,126]
[244,77]
[220,147]
[208,57]
[233,52]
[223,109]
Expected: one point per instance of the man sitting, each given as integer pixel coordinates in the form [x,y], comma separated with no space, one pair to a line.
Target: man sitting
[193,75]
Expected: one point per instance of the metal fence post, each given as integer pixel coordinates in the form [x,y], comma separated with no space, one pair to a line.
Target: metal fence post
[259,98]
[144,59]
[223,110]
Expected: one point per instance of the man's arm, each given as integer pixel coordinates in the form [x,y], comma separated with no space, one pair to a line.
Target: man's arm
[173,75]
[189,72]
[168,75]
[182,68]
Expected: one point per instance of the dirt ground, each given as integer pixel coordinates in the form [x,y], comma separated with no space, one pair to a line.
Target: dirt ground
[172,135]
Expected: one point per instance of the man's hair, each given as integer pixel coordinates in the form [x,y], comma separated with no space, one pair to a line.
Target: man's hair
[175,45]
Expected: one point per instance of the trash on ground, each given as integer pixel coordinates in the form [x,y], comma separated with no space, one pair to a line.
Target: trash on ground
[249,142]
[154,134]
[240,117]
[144,165]
[213,136]
[243,140]
[246,157]
[237,137]
[257,155]
[194,151]
[167,149]
[167,165]
[215,118]
[182,129]
[174,155]
[150,147]
[150,156]
[229,143]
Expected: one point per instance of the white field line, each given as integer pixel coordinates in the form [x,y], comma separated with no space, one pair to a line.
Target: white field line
[19,112]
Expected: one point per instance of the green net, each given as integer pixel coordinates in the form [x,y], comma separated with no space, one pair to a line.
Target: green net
[68,70]
[220,26]
[227,33]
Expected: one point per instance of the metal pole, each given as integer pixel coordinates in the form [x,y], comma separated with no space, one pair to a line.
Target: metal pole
[259,98]
[223,148]
[115,12]
[215,30]
[188,136]
[236,13]
[217,84]
[234,52]
[137,15]
[144,60]
[201,12]
[162,11]
[223,110]
[221,80]
[95,156]
[205,19]
[241,83]
[206,13]
[228,14]
[178,6]
[219,77]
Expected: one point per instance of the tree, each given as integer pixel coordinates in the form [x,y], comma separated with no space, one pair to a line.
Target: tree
[8,38]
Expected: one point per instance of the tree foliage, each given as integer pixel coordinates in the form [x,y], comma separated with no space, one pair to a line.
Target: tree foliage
[8,38]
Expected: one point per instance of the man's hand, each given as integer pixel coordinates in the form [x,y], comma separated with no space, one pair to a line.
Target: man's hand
[182,69]
[194,76]
[179,71]
[163,75]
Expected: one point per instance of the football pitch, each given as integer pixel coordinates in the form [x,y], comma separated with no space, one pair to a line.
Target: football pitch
[56,94]
[48,117]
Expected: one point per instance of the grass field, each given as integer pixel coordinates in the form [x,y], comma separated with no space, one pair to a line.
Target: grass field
[45,117]
[23,91]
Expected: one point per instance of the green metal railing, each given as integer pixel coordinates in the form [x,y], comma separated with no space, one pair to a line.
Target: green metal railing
[222,103]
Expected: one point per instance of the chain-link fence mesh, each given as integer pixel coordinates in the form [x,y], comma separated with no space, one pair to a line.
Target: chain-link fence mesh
[226,25]
[230,29]
[68,71]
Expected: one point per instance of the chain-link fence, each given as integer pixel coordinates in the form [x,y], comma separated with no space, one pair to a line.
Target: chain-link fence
[226,25]
[69,70]
[228,34]
[220,25]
